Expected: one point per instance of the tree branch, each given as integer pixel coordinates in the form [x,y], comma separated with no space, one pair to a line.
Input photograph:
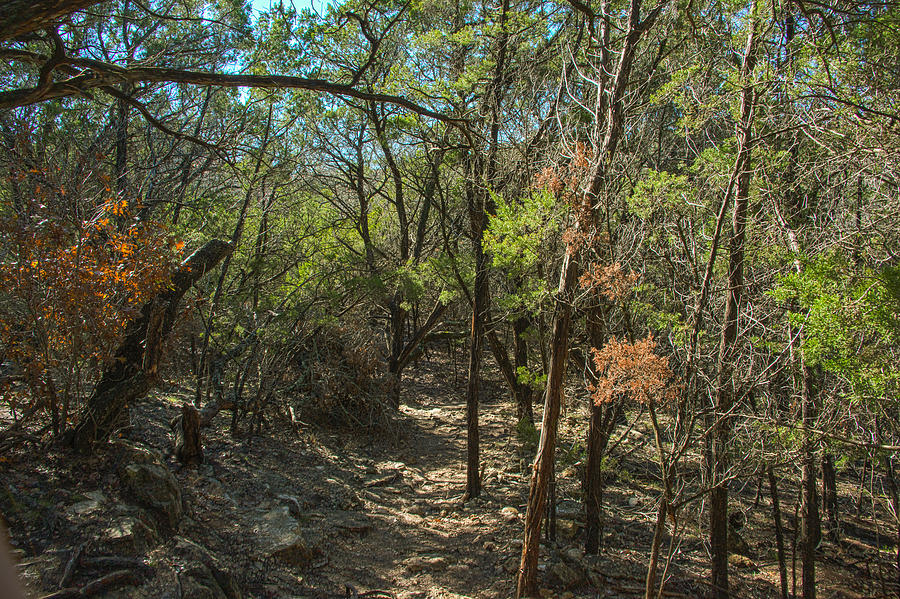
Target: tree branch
[100,74]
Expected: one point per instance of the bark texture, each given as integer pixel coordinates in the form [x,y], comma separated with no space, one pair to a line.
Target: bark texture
[18,17]
[134,368]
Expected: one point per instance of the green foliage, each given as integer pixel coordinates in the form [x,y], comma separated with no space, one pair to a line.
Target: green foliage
[534,380]
[527,435]
[660,190]
[515,237]
[851,319]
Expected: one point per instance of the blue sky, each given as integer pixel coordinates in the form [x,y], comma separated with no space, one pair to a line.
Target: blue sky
[319,5]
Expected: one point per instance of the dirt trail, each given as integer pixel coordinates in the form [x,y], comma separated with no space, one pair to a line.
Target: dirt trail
[388,511]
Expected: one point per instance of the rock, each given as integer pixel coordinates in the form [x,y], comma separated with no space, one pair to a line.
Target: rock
[280,537]
[737,544]
[133,453]
[154,486]
[573,555]
[633,501]
[200,574]
[132,533]
[741,561]
[509,513]
[348,522]
[566,575]
[146,476]
[91,502]
[489,546]
[570,510]
[568,529]
[425,562]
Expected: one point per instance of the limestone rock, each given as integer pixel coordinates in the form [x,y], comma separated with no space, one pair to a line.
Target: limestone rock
[149,480]
[567,575]
[91,502]
[509,513]
[573,554]
[425,562]
[741,561]
[281,537]
[130,533]
[154,486]
[568,529]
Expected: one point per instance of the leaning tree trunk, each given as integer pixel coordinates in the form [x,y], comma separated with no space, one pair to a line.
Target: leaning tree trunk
[134,369]
[543,463]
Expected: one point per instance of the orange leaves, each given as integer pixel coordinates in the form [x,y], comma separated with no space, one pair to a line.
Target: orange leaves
[632,370]
[567,185]
[70,284]
[610,281]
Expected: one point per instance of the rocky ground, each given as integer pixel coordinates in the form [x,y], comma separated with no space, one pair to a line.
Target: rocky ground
[302,511]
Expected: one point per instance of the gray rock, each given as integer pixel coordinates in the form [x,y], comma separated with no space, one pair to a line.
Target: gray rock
[149,480]
[568,509]
[154,486]
[425,562]
[201,575]
[93,501]
[567,576]
[281,537]
[509,513]
[131,533]
[568,529]
[573,554]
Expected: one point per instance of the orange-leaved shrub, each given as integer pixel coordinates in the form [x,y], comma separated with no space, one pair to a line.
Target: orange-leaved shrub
[632,370]
[73,272]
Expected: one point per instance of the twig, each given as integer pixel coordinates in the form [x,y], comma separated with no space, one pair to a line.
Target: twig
[70,566]
[116,561]
[95,587]
[379,482]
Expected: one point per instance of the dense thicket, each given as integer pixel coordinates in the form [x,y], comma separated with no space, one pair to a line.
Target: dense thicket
[688,206]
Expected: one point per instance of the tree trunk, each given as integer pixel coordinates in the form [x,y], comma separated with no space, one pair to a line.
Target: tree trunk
[133,370]
[18,17]
[593,492]
[829,497]
[522,391]
[543,462]
[721,432]
[779,532]
[603,422]
[895,506]
[480,304]
[809,524]
[188,446]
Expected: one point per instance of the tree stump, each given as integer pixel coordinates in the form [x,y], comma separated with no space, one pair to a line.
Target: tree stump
[188,447]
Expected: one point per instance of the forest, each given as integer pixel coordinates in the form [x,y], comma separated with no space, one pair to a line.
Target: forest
[436,299]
